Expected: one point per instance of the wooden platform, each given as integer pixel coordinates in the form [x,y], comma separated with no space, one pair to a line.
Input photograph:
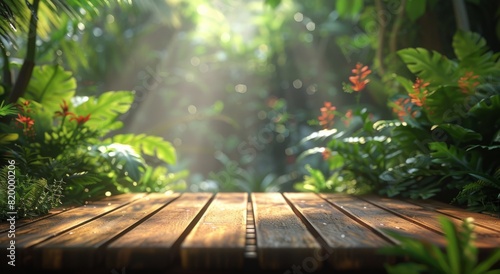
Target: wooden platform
[228,233]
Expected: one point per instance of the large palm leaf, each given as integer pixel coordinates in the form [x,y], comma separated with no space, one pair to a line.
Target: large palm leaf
[26,15]
[15,14]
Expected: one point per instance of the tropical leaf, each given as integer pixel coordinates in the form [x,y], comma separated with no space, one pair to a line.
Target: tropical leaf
[348,8]
[149,145]
[454,156]
[461,134]
[49,85]
[445,105]
[430,66]
[474,54]
[273,3]
[124,159]
[105,109]
[415,9]
[6,138]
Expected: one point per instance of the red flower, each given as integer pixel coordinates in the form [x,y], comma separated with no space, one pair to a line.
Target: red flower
[402,108]
[359,80]
[327,153]
[348,117]
[26,123]
[419,94]
[80,120]
[64,110]
[327,115]
[467,82]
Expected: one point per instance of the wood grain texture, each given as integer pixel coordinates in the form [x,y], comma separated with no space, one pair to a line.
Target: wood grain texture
[379,219]
[218,240]
[4,226]
[485,238]
[282,239]
[155,242]
[484,220]
[350,245]
[82,247]
[41,230]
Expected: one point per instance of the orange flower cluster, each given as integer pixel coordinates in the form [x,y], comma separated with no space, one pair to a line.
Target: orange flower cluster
[402,108]
[80,120]
[348,117]
[25,122]
[64,112]
[327,153]
[327,115]
[359,80]
[468,82]
[419,94]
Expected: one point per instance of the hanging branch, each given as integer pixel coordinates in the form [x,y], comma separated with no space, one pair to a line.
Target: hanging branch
[29,62]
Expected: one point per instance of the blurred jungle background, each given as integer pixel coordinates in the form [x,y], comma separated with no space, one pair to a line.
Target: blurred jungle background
[225,95]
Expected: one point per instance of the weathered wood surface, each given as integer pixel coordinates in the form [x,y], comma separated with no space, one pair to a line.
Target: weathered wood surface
[218,240]
[232,232]
[282,238]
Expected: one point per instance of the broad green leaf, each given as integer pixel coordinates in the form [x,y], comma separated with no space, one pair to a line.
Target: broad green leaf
[490,105]
[446,105]
[406,83]
[50,85]
[467,161]
[415,9]
[473,52]
[6,138]
[105,109]
[430,66]
[484,117]
[461,134]
[149,145]
[273,3]
[348,8]
[124,159]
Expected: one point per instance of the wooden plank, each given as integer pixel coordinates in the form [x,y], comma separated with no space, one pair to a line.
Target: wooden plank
[5,226]
[218,240]
[56,224]
[155,242]
[350,245]
[480,219]
[485,238]
[283,241]
[81,247]
[379,219]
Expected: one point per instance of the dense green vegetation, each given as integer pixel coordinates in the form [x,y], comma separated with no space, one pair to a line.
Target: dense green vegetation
[395,97]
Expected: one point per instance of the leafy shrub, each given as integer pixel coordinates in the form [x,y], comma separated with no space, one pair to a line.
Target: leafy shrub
[446,136]
[62,152]
[460,255]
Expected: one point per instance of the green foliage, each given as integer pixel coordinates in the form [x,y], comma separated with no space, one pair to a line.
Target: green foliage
[460,255]
[348,8]
[447,137]
[105,109]
[62,155]
[148,145]
[49,85]
[415,9]
[429,65]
